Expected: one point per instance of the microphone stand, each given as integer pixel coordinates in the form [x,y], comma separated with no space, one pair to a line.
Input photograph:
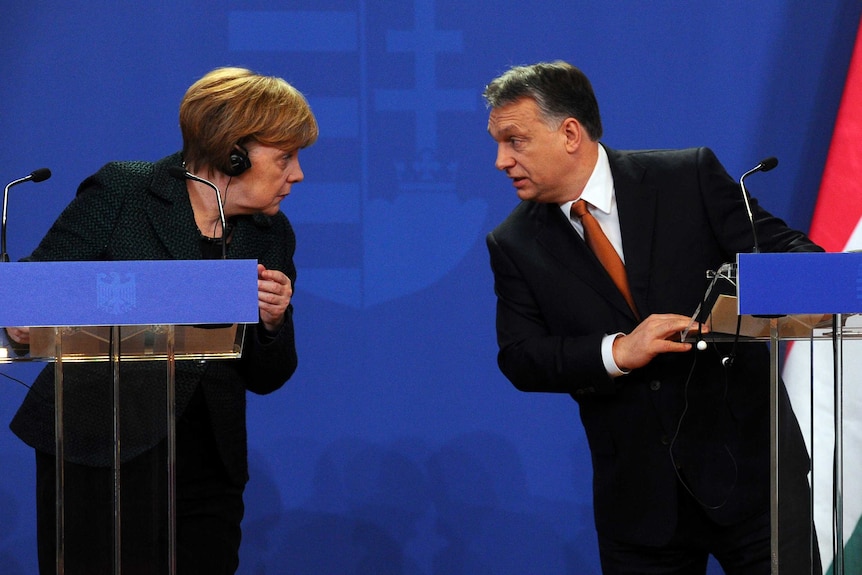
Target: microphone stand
[763,166]
[181,173]
[39,175]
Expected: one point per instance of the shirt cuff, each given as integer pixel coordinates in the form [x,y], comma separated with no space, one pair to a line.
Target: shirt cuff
[608,355]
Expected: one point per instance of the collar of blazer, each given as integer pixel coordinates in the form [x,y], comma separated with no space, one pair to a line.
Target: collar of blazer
[171,212]
[173,220]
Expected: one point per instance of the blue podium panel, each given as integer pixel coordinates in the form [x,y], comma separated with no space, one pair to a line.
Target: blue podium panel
[128,293]
[799,283]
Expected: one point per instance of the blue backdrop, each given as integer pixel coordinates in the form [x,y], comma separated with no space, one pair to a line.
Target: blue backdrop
[398,447]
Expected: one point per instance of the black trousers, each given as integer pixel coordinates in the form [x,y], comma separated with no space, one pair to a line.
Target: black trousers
[741,549]
[209,510]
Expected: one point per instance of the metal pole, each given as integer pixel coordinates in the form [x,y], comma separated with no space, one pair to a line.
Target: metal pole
[838,474]
[774,383]
[115,397]
[59,458]
[172,452]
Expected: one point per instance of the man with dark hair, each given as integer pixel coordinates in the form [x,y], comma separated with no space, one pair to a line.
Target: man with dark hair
[679,442]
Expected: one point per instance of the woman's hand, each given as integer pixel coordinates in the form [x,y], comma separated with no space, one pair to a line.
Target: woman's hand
[20,335]
[274,291]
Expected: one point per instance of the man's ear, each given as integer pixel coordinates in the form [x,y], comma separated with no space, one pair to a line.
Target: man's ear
[574,133]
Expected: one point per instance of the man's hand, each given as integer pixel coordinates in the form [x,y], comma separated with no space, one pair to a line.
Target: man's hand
[651,337]
[273,296]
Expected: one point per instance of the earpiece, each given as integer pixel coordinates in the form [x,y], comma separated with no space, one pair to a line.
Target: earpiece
[701,345]
[238,161]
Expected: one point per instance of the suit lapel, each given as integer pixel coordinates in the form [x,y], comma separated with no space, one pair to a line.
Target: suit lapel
[172,217]
[636,204]
[559,239]
[251,236]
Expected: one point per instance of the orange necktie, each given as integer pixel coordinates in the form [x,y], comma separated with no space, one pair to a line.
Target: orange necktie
[604,250]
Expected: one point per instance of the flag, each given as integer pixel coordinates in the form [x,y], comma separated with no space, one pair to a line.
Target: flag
[836,226]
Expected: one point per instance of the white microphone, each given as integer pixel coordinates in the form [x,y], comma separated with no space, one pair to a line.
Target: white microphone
[181,173]
[763,166]
[39,175]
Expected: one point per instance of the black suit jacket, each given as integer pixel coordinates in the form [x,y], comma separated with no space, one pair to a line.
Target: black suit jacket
[137,211]
[683,415]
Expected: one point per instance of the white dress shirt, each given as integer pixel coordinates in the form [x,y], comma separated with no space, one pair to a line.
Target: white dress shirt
[599,193]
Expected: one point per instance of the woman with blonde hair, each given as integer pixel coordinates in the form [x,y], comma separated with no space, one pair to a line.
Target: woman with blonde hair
[241,132]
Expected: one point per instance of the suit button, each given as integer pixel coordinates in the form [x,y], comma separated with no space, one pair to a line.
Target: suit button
[665,440]
[655,385]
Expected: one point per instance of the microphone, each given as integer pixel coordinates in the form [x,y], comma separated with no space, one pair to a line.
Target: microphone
[763,166]
[39,175]
[181,173]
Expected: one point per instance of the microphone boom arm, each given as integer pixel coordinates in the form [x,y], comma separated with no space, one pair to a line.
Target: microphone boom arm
[756,249]
[763,166]
[183,174]
[39,175]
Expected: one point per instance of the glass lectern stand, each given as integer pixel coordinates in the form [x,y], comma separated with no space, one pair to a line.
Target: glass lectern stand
[777,298]
[114,313]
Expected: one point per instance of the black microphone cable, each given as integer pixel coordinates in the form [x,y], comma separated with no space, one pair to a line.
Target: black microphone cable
[676,435]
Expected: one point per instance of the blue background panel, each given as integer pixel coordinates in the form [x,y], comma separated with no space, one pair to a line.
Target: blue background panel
[398,447]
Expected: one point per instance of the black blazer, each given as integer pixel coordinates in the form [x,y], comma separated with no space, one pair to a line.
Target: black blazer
[137,211]
[682,415]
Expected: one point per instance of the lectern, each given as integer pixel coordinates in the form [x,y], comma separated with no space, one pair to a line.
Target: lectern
[780,297]
[126,311]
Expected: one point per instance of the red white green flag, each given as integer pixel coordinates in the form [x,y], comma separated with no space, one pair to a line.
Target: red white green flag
[837,226]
